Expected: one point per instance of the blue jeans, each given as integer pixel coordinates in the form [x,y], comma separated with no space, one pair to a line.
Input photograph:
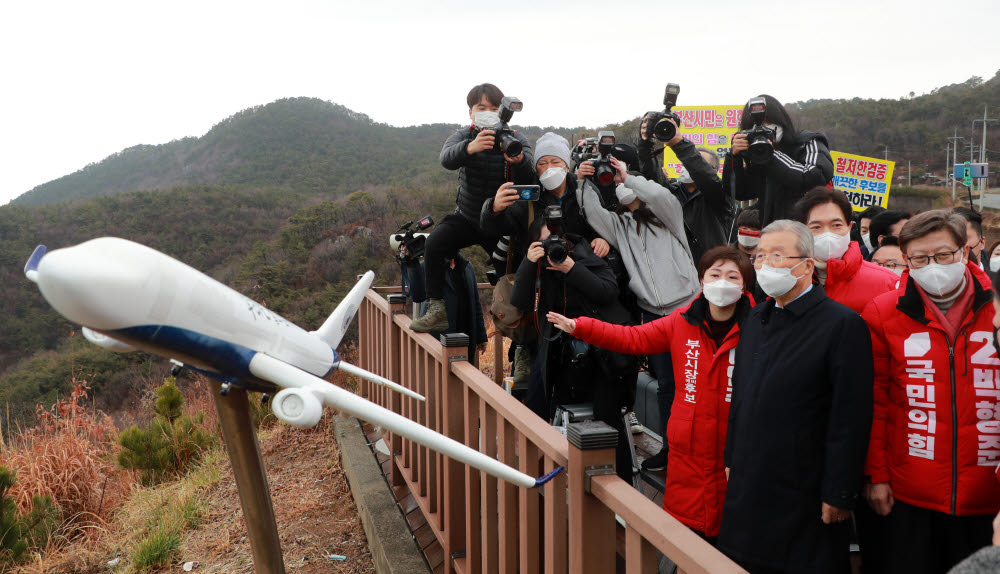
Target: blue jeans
[664,370]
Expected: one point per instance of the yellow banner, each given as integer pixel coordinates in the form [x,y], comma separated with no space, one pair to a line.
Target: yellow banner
[865,180]
[705,126]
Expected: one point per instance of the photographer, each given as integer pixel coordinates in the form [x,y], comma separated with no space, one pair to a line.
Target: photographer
[778,174]
[503,214]
[561,273]
[647,229]
[482,167]
[708,209]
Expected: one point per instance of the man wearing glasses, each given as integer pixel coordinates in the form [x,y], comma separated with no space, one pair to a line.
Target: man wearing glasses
[935,441]
[800,417]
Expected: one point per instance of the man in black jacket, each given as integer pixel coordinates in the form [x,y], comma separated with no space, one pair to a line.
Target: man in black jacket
[800,418]
[481,169]
[708,210]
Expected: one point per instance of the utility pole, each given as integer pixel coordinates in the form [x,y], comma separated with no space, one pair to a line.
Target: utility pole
[954,161]
[887,150]
[947,160]
[909,181]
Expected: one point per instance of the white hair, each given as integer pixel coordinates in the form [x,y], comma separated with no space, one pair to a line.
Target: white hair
[804,237]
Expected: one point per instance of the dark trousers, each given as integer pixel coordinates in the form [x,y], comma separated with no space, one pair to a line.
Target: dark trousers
[663,370]
[453,233]
[921,541]
[871,537]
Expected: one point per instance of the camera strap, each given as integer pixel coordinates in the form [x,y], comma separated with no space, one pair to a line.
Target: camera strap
[538,296]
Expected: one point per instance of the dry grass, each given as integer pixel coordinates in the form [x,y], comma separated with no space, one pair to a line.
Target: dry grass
[68,456]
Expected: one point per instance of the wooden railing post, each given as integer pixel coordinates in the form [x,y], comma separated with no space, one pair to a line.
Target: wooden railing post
[453,418]
[592,536]
[397,305]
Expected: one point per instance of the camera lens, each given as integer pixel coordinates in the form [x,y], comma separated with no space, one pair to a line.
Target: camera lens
[759,151]
[510,146]
[604,174]
[664,130]
[556,252]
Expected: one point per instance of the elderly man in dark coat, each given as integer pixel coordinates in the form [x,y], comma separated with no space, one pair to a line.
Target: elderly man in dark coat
[800,418]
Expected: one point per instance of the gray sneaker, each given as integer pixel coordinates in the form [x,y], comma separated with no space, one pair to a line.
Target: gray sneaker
[522,366]
[435,319]
[633,423]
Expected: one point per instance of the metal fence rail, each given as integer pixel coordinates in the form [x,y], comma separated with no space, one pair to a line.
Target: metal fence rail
[488,526]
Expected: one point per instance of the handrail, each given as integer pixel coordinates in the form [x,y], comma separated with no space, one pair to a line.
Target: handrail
[485,525]
[551,441]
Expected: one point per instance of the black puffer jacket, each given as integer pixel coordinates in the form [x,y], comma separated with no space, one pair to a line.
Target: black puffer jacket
[799,164]
[480,174]
[708,212]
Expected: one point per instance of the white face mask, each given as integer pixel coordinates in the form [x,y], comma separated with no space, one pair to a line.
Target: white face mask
[867,239]
[896,270]
[937,279]
[486,119]
[685,177]
[777,282]
[748,241]
[552,178]
[625,195]
[722,293]
[778,131]
[829,245]
[995,264]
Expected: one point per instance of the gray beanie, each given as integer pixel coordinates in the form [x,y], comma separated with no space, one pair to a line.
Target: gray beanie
[552,144]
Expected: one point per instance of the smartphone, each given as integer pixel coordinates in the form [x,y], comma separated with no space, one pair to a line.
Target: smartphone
[527,192]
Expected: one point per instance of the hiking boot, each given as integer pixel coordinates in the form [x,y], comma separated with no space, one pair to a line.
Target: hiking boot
[633,423]
[657,462]
[434,319]
[521,370]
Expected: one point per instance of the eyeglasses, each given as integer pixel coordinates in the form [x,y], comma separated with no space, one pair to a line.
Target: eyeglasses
[892,266]
[943,258]
[774,259]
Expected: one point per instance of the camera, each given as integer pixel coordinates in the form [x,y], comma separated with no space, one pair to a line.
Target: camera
[760,149]
[527,192]
[555,245]
[658,123]
[604,174]
[503,136]
[408,235]
[584,151]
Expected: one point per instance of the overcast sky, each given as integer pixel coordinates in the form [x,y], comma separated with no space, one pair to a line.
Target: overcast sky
[83,80]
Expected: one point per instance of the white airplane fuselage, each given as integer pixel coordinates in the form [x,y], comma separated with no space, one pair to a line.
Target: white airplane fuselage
[153,302]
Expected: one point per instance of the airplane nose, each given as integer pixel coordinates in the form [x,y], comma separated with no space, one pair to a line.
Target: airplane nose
[89,288]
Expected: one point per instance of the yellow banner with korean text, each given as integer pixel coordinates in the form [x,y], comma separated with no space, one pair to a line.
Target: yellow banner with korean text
[709,127]
[865,180]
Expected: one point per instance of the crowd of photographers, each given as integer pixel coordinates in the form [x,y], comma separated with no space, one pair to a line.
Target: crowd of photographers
[824,380]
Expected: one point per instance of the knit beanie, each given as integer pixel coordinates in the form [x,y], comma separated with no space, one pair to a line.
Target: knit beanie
[552,144]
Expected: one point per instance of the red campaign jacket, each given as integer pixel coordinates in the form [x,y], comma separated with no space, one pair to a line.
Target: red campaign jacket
[936,428]
[696,430]
[854,282]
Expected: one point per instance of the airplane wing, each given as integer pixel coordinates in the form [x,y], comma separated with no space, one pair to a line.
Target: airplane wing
[301,385]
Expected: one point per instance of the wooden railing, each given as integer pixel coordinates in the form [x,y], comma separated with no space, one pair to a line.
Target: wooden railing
[486,525]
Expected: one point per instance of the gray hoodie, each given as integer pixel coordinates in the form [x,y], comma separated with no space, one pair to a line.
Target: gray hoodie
[661,272]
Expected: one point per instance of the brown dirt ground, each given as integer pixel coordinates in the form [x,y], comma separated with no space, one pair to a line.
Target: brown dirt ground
[315,512]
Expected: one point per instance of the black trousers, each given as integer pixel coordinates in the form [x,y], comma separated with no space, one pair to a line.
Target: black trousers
[453,233]
[921,541]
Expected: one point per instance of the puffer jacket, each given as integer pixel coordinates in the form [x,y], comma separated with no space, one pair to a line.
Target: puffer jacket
[661,270]
[799,164]
[480,174]
[708,211]
[854,282]
[936,427]
[696,431]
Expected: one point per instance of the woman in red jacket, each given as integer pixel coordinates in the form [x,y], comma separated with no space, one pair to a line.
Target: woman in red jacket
[701,338]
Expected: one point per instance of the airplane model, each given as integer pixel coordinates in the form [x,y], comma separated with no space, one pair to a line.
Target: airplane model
[128,296]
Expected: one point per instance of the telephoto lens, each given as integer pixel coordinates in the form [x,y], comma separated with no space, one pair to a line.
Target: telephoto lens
[509,144]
